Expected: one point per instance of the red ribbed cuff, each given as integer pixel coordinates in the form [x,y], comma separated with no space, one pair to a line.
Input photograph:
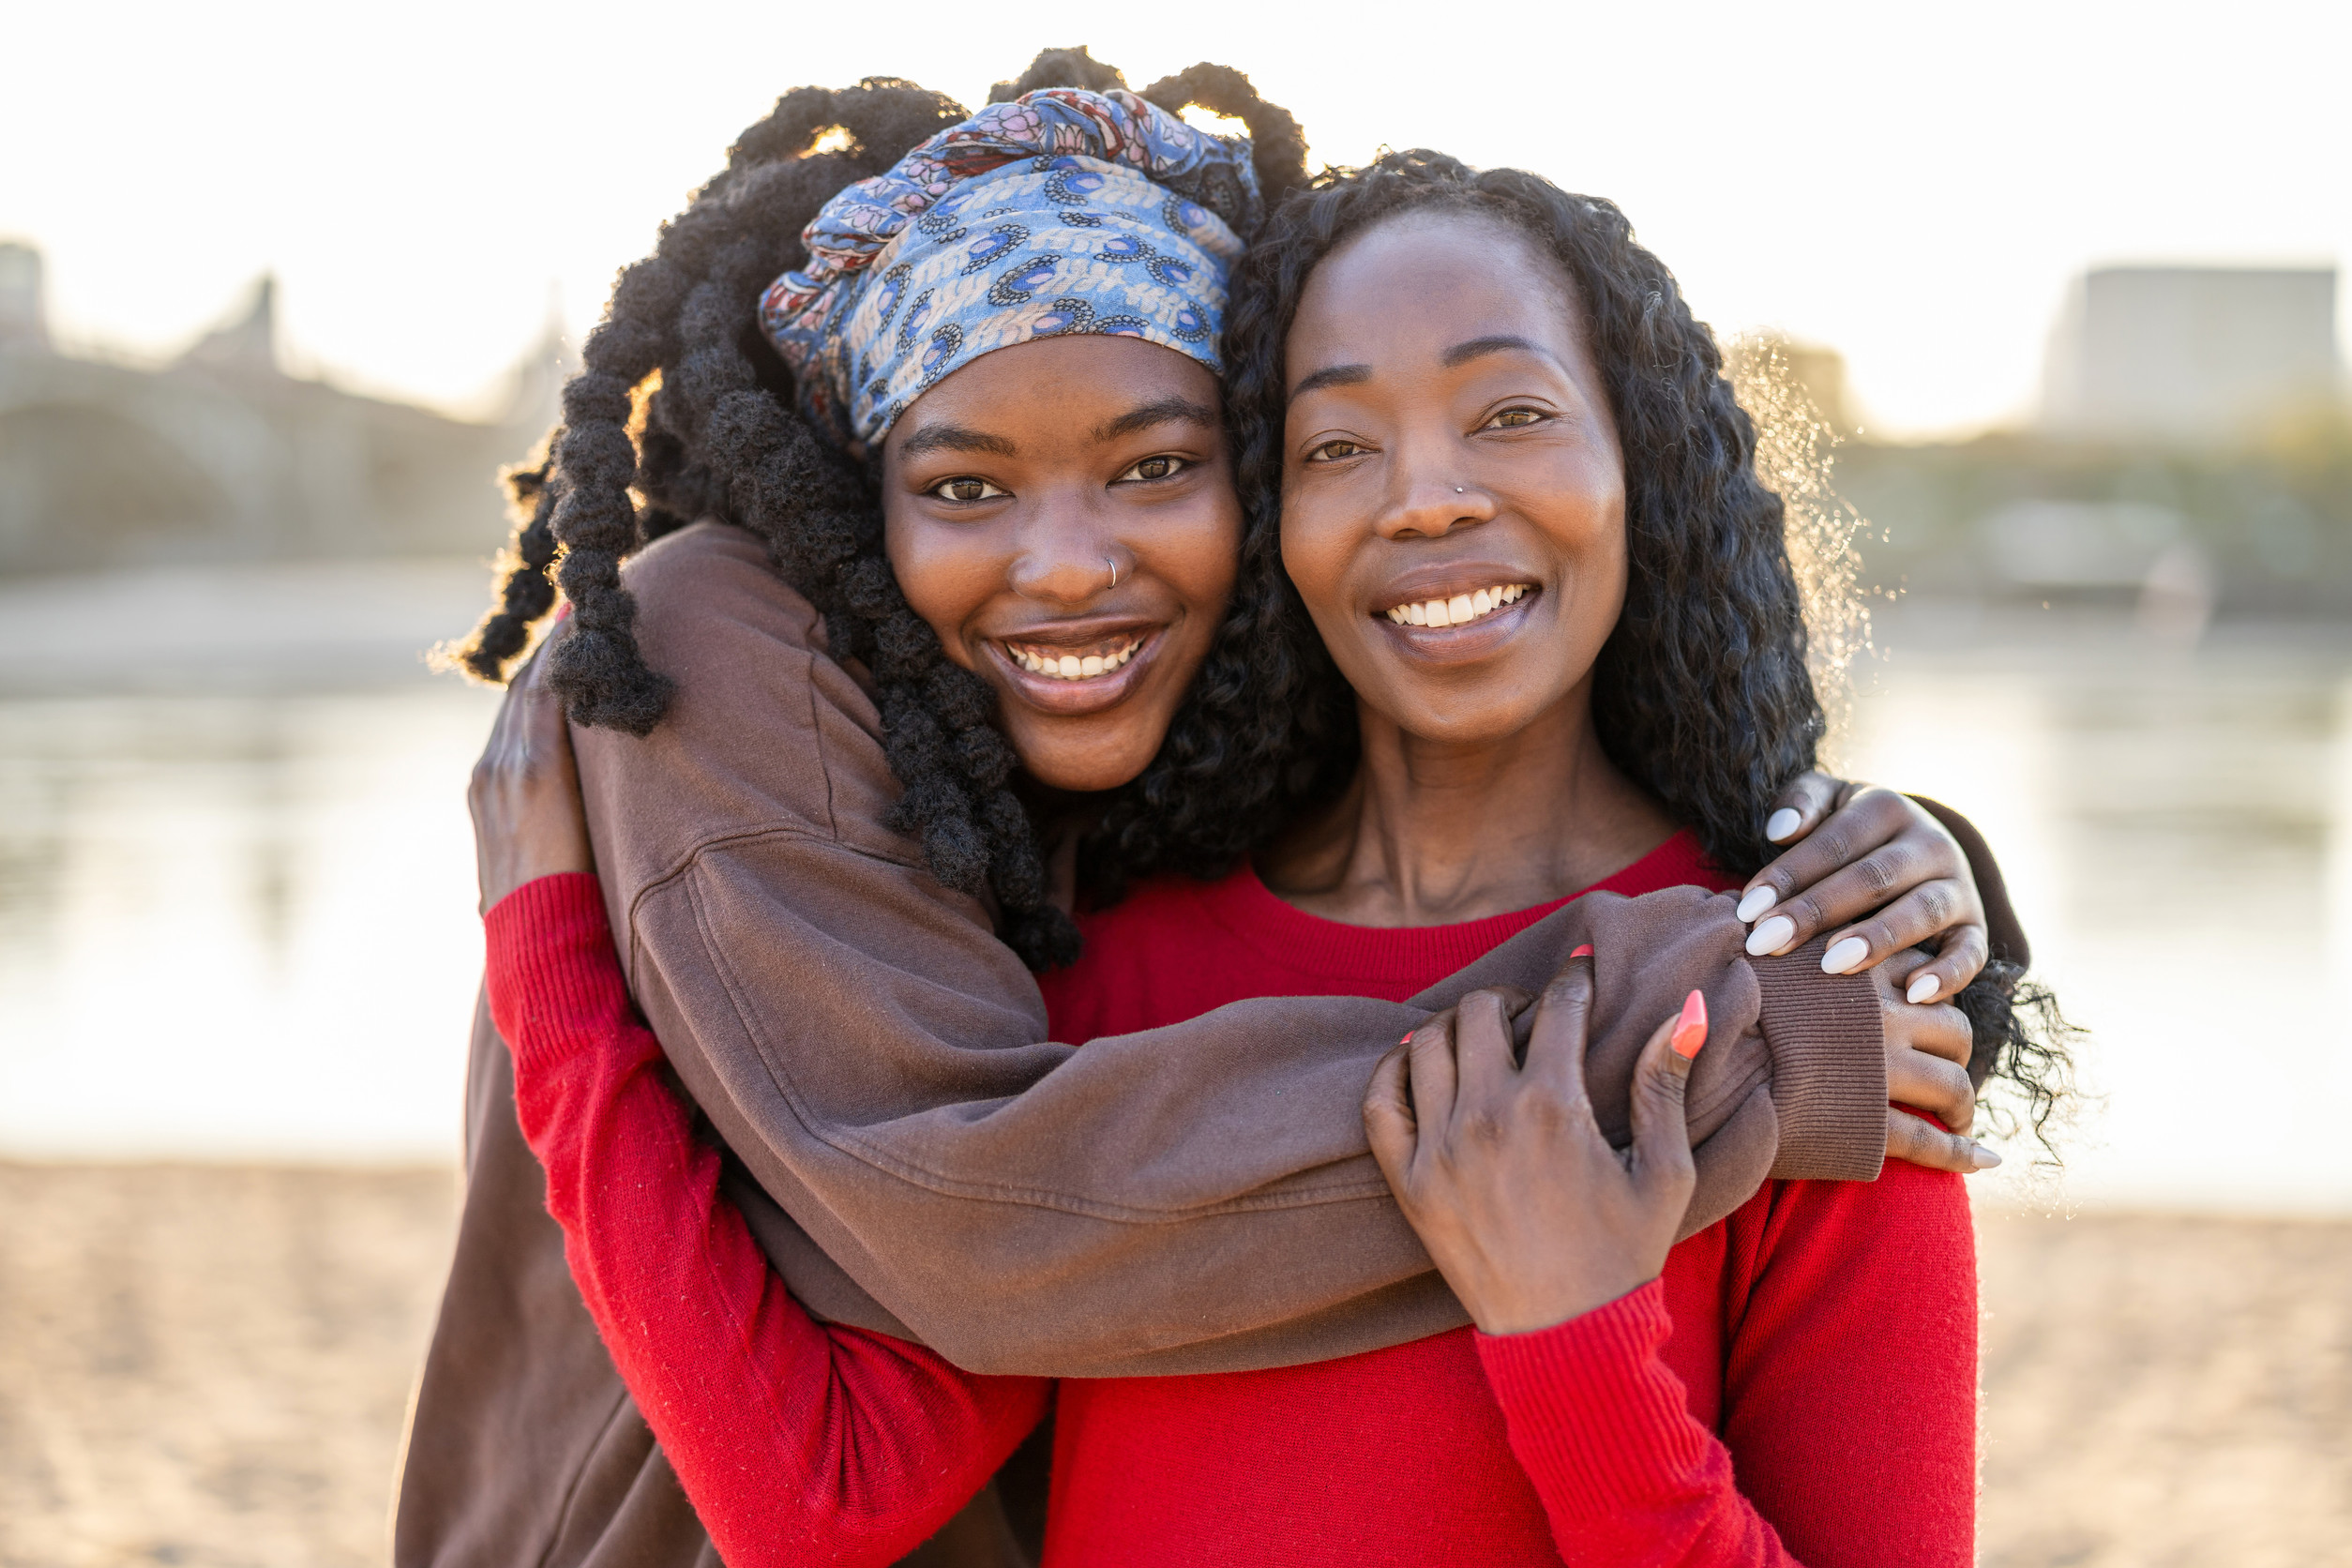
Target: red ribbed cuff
[553,977]
[1598,1421]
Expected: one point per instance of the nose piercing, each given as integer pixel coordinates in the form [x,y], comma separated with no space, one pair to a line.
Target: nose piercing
[1458,490]
[1114,570]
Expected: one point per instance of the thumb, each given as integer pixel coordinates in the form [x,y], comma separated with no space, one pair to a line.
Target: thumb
[1659,1159]
[1388,1123]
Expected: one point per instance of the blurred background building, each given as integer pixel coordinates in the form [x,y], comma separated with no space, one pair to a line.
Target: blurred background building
[220,455]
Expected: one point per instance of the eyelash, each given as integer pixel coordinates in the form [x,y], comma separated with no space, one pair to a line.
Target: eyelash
[934,492]
[1179,465]
[1535,417]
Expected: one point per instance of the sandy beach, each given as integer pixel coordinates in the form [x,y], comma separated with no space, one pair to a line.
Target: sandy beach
[209,1367]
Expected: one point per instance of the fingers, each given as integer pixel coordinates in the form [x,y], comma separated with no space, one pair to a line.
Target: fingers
[1429,1071]
[1922,1143]
[1485,1061]
[1389,1125]
[1939,1029]
[1555,1044]
[1659,1159]
[1798,809]
[1934,1085]
[1959,956]
[1856,861]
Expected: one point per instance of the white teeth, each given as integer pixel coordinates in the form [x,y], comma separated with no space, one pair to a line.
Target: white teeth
[1072,667]
[1461,608]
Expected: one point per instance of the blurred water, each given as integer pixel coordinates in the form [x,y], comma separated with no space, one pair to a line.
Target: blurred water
[2175,825]
[239,923]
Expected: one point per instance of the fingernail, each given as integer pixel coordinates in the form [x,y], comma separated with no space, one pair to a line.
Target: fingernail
[1406,1041]
[1983,1158]
[1759,899]
[1782,823]
[1771,936]
[1582,950]
[1690,1030]
[1844,955]
[1923,989]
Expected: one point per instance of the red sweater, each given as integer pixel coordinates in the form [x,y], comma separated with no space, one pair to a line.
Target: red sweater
[1821,1340]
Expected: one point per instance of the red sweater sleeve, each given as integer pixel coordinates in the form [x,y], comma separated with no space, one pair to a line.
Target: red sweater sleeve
[1849,1397]
[797,1442]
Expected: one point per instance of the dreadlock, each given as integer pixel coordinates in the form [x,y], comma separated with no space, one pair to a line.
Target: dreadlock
[680,349]
[1702,694]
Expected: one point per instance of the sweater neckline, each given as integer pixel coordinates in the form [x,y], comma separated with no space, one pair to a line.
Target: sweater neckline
[1254,913]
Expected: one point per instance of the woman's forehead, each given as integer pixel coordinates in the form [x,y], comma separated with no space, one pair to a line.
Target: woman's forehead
[1423,285]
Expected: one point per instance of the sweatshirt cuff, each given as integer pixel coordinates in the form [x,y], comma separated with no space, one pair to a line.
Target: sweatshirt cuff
[1827,1043]
[1598,1421]
[551,970]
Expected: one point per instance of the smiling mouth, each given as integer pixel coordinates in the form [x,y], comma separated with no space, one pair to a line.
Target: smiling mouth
[1075,664]
[1461,608]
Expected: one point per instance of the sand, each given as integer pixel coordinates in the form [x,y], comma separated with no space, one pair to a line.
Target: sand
[209,1366]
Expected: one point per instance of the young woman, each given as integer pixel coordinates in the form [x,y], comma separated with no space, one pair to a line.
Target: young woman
[859,1030]
[1667,862]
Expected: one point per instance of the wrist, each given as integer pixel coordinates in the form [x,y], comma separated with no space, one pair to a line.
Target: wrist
[1503,1314]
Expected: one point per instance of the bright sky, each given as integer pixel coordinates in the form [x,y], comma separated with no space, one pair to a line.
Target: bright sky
[1914,185]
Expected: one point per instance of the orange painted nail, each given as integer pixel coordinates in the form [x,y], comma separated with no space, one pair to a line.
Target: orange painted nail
[1690,1030]
[1582,950]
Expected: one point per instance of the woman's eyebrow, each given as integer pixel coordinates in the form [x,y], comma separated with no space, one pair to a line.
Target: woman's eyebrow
[955,438]
[1477,348]
[1330,375]
[1160,412]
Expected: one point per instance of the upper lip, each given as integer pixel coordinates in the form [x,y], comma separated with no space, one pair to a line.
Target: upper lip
[1424,583]
[1079,631]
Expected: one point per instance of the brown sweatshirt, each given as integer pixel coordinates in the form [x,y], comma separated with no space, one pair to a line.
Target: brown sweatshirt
[917,1158]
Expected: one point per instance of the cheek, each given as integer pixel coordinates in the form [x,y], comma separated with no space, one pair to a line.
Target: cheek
[1197,555]
[945,573]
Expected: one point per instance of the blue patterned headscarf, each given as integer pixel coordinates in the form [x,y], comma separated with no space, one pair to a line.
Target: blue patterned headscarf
[1062,211]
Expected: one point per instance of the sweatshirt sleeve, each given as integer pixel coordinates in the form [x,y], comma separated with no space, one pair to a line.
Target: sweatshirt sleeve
[1850,1379]
[929,1163]
[797,1442]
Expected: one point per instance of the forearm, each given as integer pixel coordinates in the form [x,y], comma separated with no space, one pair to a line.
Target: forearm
[1603,1429]
[1189,1199]
[796,1443]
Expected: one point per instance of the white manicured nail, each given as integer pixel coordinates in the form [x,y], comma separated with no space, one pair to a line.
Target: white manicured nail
[1985,1159]
[1782,823]
[1923,988]
[1771,936]
[1844,955]
[1756,903]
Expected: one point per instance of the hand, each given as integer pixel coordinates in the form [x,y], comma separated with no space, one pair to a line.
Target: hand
[528,821]
[1860,847]
[1927,1068]
[1526,1210]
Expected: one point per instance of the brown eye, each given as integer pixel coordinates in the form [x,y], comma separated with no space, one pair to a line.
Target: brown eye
[1332,451]
[1511,418]
[964,488]
[1160,467]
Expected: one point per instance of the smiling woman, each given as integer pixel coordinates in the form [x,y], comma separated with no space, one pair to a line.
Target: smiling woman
[1063,512]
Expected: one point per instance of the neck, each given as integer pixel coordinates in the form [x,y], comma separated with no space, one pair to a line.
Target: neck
[1432,832]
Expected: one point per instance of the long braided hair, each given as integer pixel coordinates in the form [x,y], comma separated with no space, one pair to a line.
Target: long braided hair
[1702,694]
[679,361]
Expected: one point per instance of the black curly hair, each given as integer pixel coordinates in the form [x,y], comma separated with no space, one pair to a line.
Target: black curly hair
[1702,694]
[683,410]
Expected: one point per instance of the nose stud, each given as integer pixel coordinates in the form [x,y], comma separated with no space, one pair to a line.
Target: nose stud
[1459,490]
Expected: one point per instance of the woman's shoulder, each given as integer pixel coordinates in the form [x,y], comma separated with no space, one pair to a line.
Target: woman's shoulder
[763,729]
